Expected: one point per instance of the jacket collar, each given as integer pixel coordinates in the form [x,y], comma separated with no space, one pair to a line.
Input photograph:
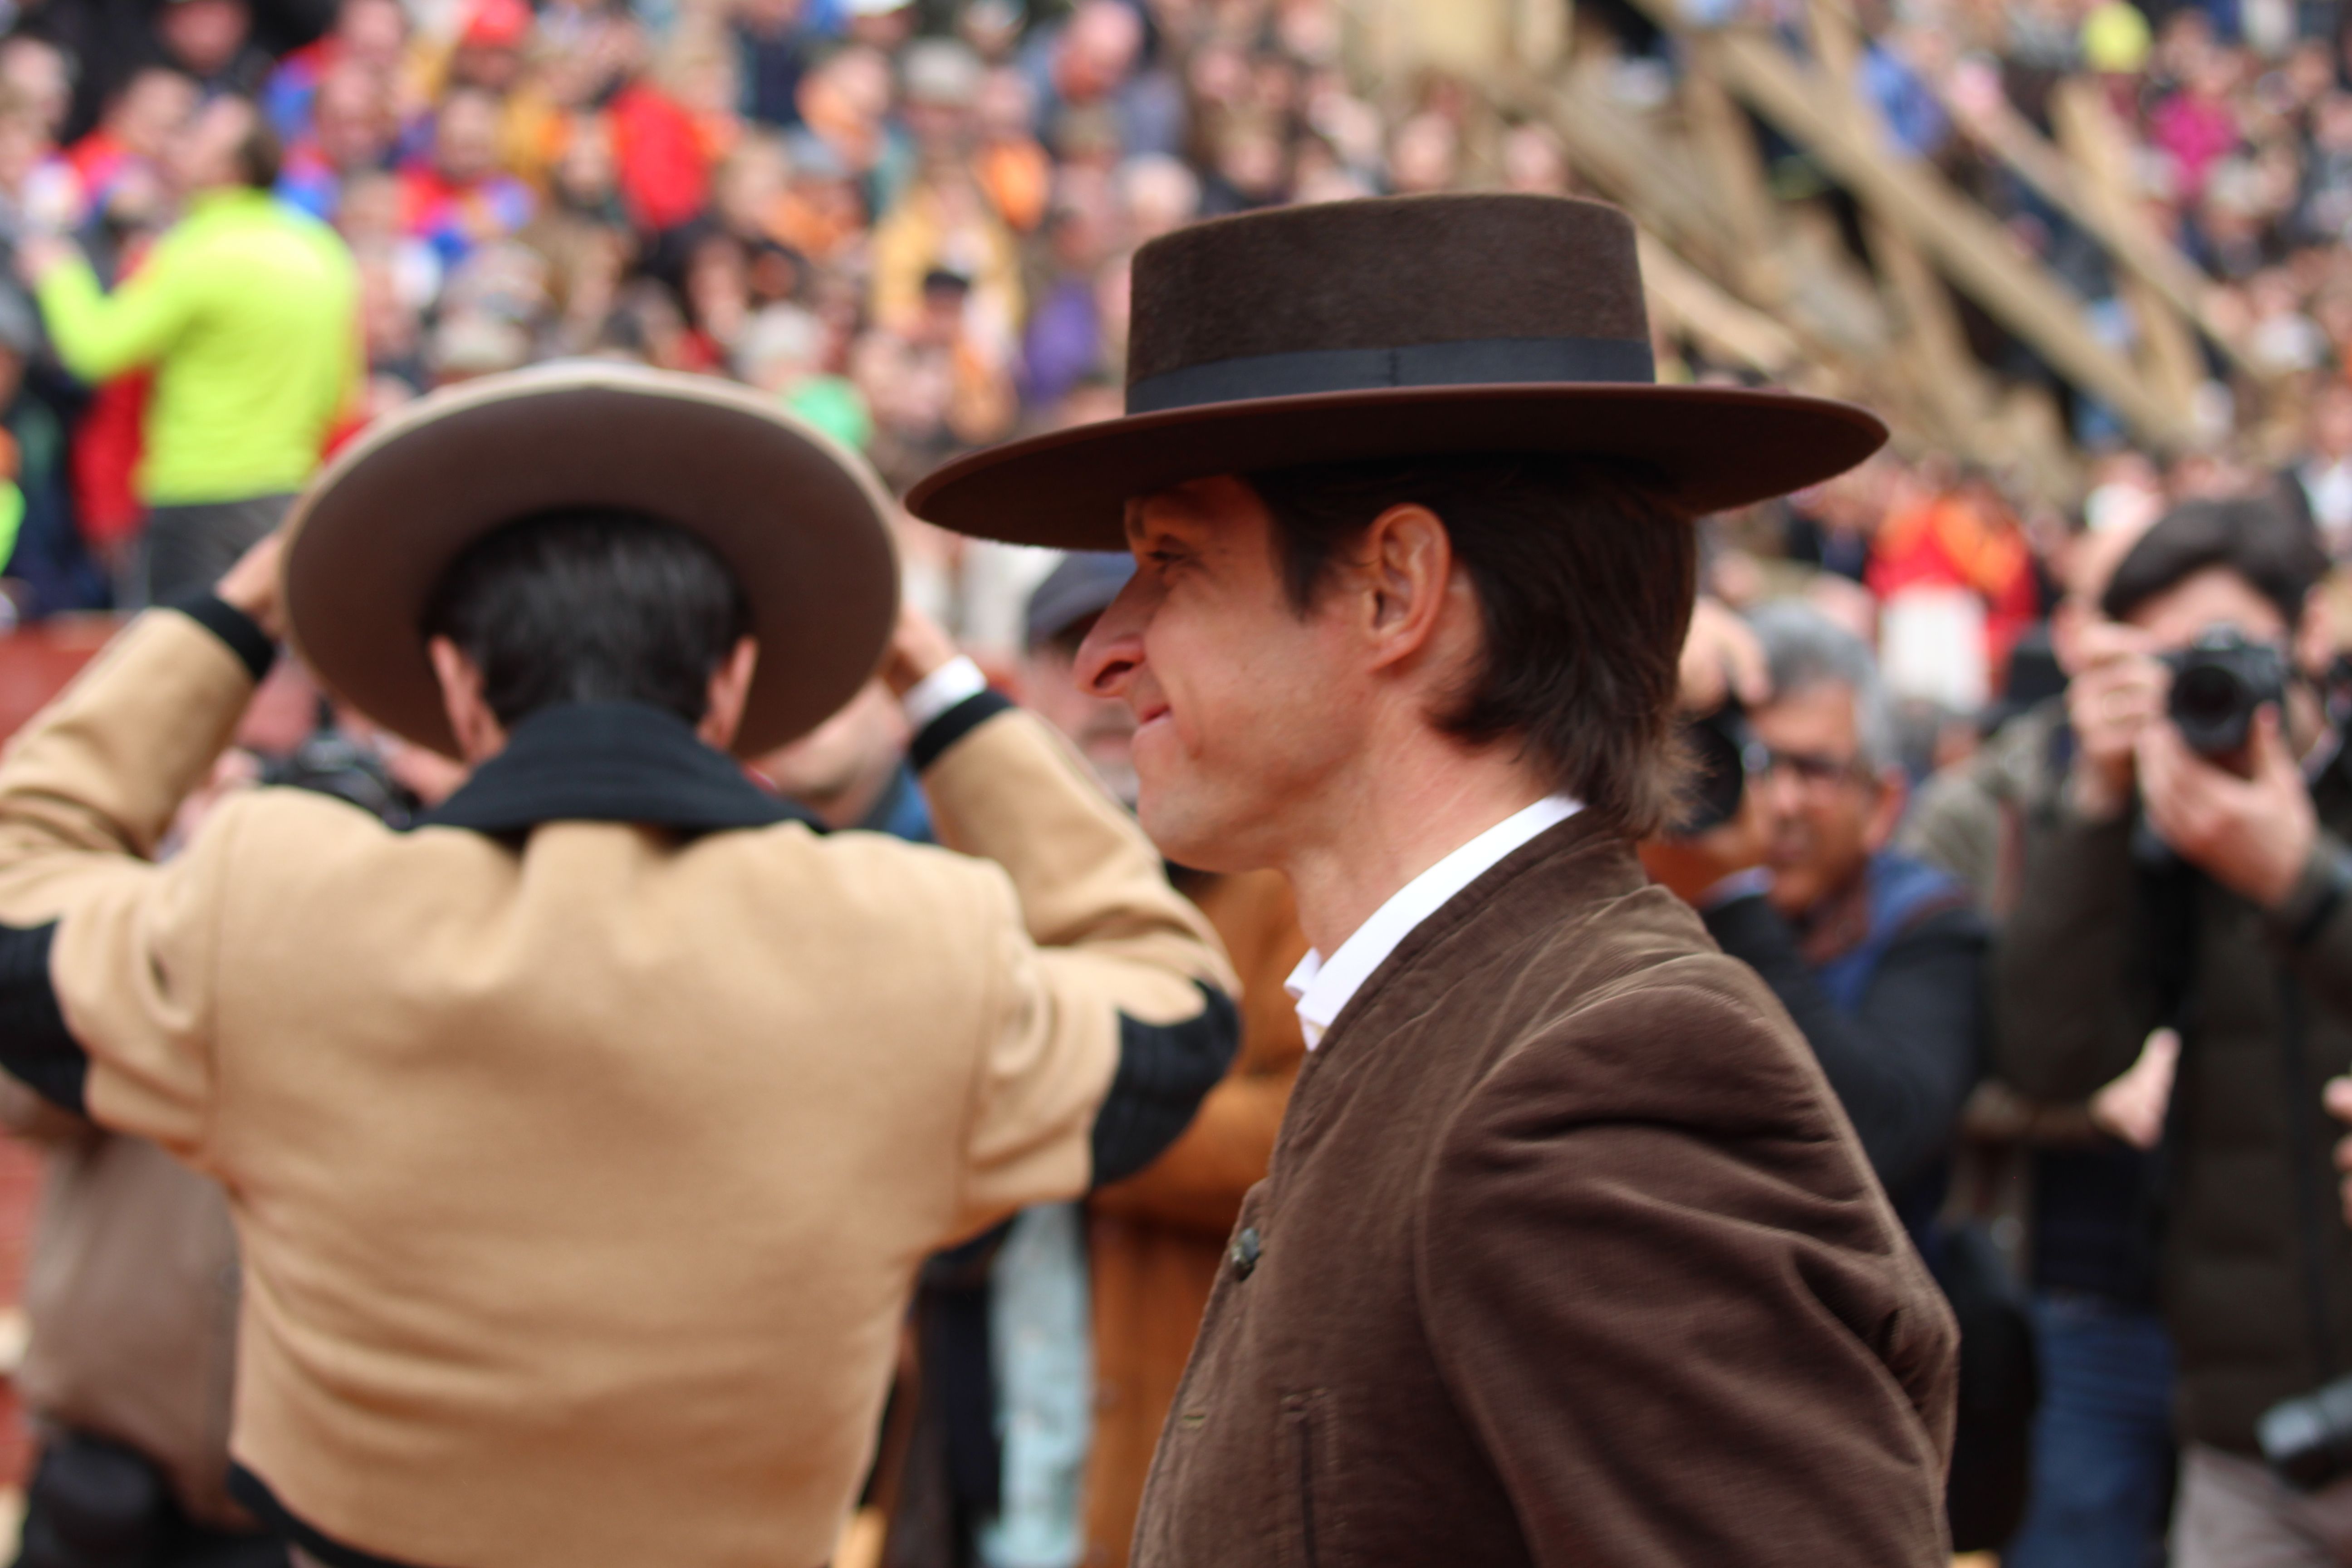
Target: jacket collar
[609,762]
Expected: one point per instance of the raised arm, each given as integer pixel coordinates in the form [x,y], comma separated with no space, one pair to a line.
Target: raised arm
[105,958]
[99,335]
[1114,995]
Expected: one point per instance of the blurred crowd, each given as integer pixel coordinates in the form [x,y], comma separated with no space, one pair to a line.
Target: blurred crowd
[2234,129]
[911,224]
[909,221]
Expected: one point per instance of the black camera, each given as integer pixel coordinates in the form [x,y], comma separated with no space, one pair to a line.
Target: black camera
[2219,683]
[330,763]
[1723,751]
[2308,1441]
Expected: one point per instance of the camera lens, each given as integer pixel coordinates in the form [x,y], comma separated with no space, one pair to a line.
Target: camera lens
[2208,695]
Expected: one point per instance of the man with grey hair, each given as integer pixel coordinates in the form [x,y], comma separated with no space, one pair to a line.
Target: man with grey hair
[1879,957]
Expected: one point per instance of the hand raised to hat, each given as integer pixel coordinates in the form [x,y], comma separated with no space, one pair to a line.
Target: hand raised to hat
[256,585]
[919,647]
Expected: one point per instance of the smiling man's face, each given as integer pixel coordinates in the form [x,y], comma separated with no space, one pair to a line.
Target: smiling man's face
[1246,712]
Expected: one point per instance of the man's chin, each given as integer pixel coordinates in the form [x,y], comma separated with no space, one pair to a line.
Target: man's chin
[1183,833]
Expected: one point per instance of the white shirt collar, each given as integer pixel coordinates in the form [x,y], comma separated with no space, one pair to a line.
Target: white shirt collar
[1323,987]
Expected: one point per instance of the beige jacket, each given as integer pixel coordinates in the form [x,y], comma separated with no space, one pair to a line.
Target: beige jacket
[582,1170]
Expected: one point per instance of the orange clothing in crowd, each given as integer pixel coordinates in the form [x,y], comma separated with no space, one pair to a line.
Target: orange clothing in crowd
[1017,178]
[1957,542]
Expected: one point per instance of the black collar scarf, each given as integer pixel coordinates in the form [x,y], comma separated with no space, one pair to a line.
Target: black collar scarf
[609,762]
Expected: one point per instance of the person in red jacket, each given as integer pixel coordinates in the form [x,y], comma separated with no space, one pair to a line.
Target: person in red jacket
[665,177]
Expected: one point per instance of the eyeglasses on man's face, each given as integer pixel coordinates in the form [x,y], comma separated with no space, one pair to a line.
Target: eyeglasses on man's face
[1814,770]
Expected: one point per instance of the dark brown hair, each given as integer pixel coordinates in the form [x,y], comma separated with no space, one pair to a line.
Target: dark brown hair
[2278,554]
[590,604]
[1584,580]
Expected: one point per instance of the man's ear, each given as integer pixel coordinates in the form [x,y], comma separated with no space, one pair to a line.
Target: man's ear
[479,734]
[730,688]
[1407,577]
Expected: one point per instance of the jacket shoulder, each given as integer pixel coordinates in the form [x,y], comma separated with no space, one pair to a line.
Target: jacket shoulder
[1640,1016]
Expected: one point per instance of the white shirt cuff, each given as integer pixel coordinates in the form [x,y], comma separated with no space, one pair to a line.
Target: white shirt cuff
[953,682]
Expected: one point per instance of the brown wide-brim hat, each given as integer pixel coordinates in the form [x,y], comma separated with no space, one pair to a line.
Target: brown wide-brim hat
[799,519]
[1399,327]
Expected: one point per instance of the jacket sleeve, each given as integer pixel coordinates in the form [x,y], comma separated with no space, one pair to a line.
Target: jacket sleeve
[106,959]
[99,335]
[1904,1064]
[2071,1007]
[1615,1280]
[1114,1000]
[1954,824]
[1198,1184]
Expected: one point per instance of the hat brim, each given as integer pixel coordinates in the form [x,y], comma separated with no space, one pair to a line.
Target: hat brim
[1710,449]
[798,518]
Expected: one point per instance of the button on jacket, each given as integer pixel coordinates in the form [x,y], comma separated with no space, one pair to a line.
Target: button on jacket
[1567,1256]
[583,1144]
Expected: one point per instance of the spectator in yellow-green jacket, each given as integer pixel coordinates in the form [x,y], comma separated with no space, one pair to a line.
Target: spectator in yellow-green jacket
[248,313]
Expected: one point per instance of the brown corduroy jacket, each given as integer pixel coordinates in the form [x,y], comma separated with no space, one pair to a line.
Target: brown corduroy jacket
[1567,1256]
[1156,1240]
[582,1146]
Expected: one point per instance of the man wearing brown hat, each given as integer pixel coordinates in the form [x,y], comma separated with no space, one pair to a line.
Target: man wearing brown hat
[1567,1253]
[584,1142]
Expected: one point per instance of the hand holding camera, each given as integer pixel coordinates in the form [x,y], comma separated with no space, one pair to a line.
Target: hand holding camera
[2116,693]
[2251,834]
[1720,831]
[1722,662]
[2197,730]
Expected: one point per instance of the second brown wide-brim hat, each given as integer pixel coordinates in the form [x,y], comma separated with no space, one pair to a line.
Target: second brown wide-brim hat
[1397,327]
[800,521]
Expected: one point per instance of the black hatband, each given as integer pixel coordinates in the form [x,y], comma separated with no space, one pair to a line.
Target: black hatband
[1476,361]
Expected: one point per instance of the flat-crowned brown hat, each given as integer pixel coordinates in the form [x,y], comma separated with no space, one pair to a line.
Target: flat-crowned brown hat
[799,519]
[1395,327]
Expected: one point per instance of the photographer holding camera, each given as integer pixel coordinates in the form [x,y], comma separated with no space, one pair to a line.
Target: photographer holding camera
[2192,874]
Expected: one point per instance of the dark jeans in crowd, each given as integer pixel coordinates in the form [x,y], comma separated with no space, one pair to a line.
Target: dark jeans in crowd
[188,547]
[2102,1443]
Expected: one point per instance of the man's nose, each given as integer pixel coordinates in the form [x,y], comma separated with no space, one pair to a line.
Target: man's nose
[1113,649]
[1777,791]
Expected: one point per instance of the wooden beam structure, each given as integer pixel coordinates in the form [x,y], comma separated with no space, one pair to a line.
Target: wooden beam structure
[1965,244]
